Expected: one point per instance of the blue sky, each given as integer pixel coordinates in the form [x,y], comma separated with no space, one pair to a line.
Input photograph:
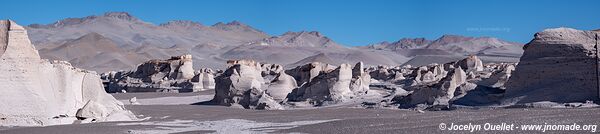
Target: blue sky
[349,22]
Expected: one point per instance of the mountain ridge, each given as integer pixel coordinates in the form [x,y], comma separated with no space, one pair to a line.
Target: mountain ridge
[212,45]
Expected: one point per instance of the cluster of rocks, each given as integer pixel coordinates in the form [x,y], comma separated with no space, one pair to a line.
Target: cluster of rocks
[438,86]
[559,68]
[250,84]
[554,57]
[253,85]
[172,75]
[38,92]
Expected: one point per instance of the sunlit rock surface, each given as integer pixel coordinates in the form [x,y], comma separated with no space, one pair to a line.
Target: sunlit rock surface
[37,92]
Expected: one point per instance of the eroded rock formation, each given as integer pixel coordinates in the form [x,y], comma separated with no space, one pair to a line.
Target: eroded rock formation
[559,65]
[240,85]
[204,79]
[331,85]
[439,86]
[37,92]
[250,84]
[172,75]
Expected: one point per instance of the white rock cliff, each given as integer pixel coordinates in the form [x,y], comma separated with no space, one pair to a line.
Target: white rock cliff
[36,92]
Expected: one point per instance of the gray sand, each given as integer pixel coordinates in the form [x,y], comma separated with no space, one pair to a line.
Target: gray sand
[207,119]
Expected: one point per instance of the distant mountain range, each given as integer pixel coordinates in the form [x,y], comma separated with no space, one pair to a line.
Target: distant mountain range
[120,41]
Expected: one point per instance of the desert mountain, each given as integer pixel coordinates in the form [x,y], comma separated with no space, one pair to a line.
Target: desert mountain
[120,41]
[473,45]
[93,51]
[450,48]
[298,48]
[404,43]
[451,43]
[132,39]
[299,39]
[130,32]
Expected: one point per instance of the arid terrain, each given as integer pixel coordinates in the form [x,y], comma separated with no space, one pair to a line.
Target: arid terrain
[171,117]
[116,73]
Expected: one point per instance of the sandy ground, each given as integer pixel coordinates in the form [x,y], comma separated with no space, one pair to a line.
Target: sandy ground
[180,117]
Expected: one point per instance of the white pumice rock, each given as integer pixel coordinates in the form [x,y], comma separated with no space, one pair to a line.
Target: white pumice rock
[38,92]
[471,63]
[241,84]
[333,86]
[281,86]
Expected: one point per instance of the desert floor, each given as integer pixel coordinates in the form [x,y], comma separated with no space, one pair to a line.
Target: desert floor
[175,113]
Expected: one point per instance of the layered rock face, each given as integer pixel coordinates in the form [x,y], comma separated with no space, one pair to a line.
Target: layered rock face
[174,74]
[37,92]
[559,65]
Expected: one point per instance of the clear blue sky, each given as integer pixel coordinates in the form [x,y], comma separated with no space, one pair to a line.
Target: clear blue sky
[349,22]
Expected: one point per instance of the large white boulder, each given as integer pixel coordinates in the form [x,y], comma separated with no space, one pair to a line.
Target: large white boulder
[240,84]
[361,80]
[281,86]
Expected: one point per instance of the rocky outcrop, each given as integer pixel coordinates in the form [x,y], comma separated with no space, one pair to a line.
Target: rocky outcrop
[471,63]
[439,86]
[174,74]
[241,85]
[279,83]
[305,73]
[328,86]
[338,85]
[361,80]
[178,67]
[437,95]
[204,79]
[253,85]
[281,86]
[559,65]
[404,43]
[385,73]
[429,74]
[299,39]
[498,78]
[37,92]
[270,71]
